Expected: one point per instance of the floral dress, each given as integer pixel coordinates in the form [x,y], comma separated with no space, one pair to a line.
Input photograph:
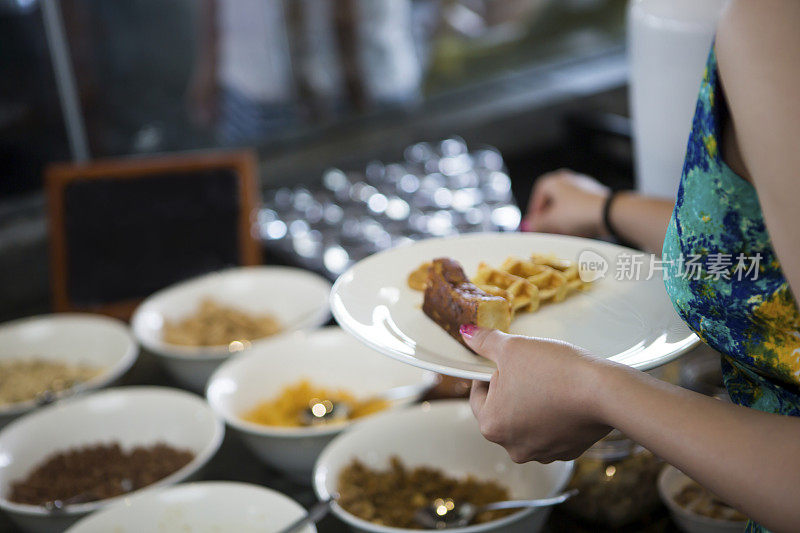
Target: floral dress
[723,275]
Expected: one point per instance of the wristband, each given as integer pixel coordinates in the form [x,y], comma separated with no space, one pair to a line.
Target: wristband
[607,219]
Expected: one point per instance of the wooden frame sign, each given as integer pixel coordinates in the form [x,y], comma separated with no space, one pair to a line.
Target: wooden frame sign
[121,229]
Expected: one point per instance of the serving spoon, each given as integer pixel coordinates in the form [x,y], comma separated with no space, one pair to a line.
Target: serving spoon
[447,514]
[314,515]
[323,411]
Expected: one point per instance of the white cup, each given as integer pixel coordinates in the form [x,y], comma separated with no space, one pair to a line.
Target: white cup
[668,44]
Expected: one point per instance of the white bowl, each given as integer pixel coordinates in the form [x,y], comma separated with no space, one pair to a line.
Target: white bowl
[128,415]
[328,357]
[71,338]
[670,482]
[298,298]
[202,507]
[445,435]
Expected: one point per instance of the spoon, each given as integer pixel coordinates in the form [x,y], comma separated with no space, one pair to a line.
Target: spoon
[320,412]
[446,514]
[314,515]
[60,506]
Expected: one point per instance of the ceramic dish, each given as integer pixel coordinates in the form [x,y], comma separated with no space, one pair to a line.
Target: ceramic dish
[128,415]
[629,321]
[670,482]
[70,338]
[444,435]
[298,298]
[202,507]
[328,357]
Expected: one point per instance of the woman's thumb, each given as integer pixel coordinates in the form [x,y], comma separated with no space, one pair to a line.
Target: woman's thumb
[485,342]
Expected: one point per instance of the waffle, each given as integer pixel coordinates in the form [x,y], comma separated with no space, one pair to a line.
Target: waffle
[524,284]
[555,278]
[521,294]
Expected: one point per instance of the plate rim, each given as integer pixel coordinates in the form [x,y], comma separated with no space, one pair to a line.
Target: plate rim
[344,318]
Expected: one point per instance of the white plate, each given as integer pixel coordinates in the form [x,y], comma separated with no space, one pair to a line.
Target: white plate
[298,298]
[70,338]
[671,482]
[631,322]
[442,434]
[327,357]
[132,416]
[202,507]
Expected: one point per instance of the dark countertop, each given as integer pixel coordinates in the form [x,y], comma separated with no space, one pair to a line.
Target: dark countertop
[234,462]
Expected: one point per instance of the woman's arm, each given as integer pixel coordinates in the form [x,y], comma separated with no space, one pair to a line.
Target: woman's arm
[550,400]
[758,52]
[641,220]
[748,458]
[570,203]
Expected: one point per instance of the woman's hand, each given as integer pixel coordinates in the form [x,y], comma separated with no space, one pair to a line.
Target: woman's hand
[566,202]
[550,400]
[540,404]
[572,204]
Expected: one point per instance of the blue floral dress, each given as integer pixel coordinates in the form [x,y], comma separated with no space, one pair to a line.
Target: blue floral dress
[723,275]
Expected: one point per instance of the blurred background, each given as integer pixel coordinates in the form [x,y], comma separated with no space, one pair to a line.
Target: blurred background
[374,121]
[310,84]
[299,78]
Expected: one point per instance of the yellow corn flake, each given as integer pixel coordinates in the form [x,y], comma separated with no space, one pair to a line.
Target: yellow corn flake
[288,407]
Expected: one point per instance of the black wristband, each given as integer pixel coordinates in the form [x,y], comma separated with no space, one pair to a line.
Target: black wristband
[607,219]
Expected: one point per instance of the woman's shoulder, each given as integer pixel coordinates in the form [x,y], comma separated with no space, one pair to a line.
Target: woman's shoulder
[758,59]
[757,45]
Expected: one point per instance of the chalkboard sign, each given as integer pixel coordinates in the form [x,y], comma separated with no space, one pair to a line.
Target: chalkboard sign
[123,229]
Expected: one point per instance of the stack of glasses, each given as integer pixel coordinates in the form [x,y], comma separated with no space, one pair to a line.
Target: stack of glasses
[439,189]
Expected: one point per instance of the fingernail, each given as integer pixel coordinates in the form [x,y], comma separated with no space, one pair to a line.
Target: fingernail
[468,330]
[524,225]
